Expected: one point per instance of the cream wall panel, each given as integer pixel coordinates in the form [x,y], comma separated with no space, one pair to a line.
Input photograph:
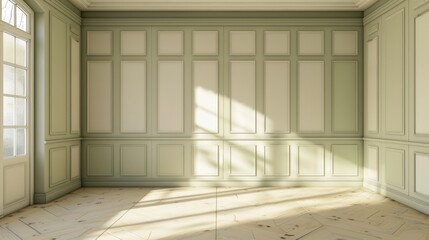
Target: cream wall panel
[74,162]
[14,183]
[205,42]
[421,74]
[345,43]
[242,43]
[170,43]
[133,97]
[99,43]
[205,160]
[205,76]
[170,97]
[345,160]
[58,79]
[421,173]
[395,167]
[276,160]
[99,92]
[133,43]
[311,160]
[133,160]
[372,82]
[243,160]
[394,73]
[311,89]
[311,43]
[243,96]
[276,42]
[277,95]
[75,86]
[58,168]
[171,160]
[372,163]
[100,160]
[345,100]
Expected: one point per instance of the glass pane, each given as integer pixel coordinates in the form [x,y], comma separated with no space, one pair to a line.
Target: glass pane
[7,9]
[21,19]
[21,141]
[21,82]
[20,112]
[8,79]
[8,139]
[8,109]
[8,48]
[21,52]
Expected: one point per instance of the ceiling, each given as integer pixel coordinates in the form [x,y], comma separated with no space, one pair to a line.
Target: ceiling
[222,5]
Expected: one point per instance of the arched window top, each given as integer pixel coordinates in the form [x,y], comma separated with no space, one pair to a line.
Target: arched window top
[14,13]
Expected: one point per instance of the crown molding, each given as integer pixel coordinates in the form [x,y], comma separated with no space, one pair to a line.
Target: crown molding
[222,5]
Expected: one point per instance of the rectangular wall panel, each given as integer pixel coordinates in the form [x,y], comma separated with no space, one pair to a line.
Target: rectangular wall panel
[243,96]
[170,97]
[421,74]
[205,160]
[372,67]
[345,160]
[371,163]
[345,96]
[242,43]
[171,160]
[421,171]
[99,93]
[277,95]
[133,160]
[57,166]
[311,160]
[133,96]
[74,162]
[58,78]
[276,160]
[99,43]
[395,167]
[99,160]
[243,160]
[205,77]
[394,73]
[311,95]
[75,86]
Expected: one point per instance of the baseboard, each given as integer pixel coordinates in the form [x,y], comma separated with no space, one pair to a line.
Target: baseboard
[41,198]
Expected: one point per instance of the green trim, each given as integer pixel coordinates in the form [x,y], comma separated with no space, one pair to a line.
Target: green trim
[222,14]
[66,8]
[323,22]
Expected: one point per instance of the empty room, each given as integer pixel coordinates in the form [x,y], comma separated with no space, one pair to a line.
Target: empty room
[214,119]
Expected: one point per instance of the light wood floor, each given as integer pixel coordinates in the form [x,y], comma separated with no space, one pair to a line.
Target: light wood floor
[218,213]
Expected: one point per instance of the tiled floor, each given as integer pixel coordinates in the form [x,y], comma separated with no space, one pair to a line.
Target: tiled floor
[218,213]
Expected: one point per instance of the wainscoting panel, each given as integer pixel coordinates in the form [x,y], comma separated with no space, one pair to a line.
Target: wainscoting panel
[58,166]
[133,43]
[395,160]
[311,96]
[345,160]
[99,43]
[170,97]
[243,96]
[372,160]
[100,101]
[207,159]
[277,96]
[345,43]
[100,160]
[170,160]
[58,78]
[372,83]
[134,160]
[242,43]
[75,86]
[133,97]
[345,100]
[421,74]
[311,43]
[75,162]
[311,160]
[276,43]
[205,43]
[276,160]
[205,76]
[242,160]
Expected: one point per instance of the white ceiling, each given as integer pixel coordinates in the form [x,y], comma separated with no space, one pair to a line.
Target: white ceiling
[222,5]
